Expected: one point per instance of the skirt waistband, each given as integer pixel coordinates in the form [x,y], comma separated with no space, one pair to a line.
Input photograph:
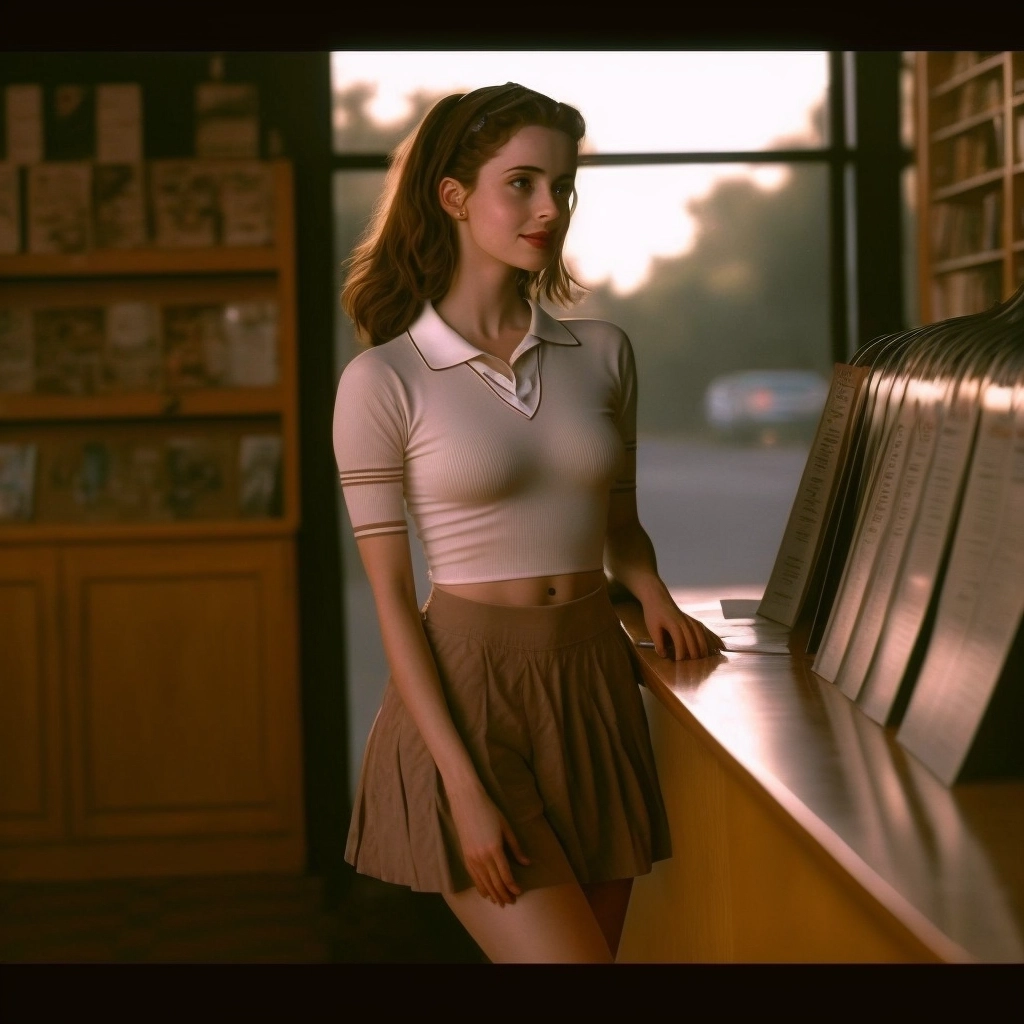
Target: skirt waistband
[536,627]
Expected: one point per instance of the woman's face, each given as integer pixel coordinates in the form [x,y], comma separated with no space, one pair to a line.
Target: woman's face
[518,211]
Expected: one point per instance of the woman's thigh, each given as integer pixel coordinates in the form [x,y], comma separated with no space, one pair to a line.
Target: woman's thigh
[609,902]
[553,924]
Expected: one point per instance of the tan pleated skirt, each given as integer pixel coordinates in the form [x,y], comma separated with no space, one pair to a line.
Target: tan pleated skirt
[546,700]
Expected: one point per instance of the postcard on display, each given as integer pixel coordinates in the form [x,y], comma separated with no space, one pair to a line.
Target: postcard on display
[17,481]
[118,206]
[198,472]
[119,123]
[184,202]
[972,666]
[59,207]
[259,475]
[23,109]
[132,358]
[10,208]
[801,542]
[195,346]
[890,672]
[69,344]
[227,120]
[17,351]
[251,332]
[246,202]
[862,464]
[921,423]
[870,528]
[70,122]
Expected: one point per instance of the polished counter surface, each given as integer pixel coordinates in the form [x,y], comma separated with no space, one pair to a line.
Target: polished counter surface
[948,863]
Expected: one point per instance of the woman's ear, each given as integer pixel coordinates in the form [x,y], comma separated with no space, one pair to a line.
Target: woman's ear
[453,197]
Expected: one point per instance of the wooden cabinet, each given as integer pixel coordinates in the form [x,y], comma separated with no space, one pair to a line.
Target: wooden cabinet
[970,165]
[149,676]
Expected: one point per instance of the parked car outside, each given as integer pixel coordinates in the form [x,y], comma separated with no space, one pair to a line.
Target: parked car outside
[765,406]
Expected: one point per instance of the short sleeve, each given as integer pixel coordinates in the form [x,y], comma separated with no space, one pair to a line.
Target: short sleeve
[625,415]
[370,436]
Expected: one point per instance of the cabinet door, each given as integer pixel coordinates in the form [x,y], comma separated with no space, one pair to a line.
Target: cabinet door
[31,795]
[183,690]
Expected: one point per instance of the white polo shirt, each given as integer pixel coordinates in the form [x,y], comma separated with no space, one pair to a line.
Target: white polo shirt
[503,478]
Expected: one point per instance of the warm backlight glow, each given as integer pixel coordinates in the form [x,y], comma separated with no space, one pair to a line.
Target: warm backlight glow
[633,102]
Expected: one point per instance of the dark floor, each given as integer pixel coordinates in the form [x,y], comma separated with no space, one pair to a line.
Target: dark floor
[237,919]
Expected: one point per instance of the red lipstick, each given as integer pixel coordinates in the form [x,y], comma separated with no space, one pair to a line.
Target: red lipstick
[540,240]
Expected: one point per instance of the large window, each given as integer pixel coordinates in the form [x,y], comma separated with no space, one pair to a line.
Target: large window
[712,225]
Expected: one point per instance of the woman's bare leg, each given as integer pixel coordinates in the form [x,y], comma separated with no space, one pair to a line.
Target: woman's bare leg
[609,902]
[553,924]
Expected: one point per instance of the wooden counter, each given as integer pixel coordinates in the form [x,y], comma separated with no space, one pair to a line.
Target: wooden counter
[803,832]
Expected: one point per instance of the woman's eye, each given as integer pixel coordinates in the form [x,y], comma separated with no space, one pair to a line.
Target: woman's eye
[520,183]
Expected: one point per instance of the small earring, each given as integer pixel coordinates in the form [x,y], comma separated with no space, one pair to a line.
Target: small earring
[462,214]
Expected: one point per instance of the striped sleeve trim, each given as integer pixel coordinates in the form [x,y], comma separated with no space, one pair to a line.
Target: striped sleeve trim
[377,529]
[359,477]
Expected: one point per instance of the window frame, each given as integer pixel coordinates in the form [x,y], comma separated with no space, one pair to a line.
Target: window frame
[861,160]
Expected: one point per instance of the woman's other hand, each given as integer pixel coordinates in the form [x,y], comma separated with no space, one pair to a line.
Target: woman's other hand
[484,834]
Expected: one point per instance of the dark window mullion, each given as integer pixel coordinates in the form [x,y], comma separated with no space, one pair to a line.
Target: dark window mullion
[841,158]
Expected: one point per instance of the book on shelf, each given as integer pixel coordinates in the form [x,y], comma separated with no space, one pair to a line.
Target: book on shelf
[105,479]
[965,291]
[119,123]
[69,349]
[250,330]
[967,99]
[69,123]
[259,475]
[118,206]
[967,226]
[17,481]
[195,346]
[59,207]
[23,122]
[185,203]
[246,202]
[198,474]
[991,220]
[137,482]
[17,351]
[10,208]
[132,357]
[962,60]
[227,120]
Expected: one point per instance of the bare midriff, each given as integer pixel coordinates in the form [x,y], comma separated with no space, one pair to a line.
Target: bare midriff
[531,590]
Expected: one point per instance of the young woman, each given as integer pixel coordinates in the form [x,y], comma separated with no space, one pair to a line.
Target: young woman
[509,766]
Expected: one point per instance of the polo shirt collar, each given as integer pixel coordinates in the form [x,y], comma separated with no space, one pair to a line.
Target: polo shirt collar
[442,347]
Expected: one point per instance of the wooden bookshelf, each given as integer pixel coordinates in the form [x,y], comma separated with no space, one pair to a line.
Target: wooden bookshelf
[149,713]
[970,166]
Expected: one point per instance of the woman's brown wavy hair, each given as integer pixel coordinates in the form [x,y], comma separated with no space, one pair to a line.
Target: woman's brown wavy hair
[408,253]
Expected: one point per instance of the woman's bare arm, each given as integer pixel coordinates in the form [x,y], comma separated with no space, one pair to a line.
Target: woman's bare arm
[629,557]
[482,829]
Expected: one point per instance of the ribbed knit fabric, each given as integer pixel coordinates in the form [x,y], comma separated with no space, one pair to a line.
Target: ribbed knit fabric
[494,491]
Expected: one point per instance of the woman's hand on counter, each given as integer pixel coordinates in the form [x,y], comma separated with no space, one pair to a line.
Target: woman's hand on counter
[676,635]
